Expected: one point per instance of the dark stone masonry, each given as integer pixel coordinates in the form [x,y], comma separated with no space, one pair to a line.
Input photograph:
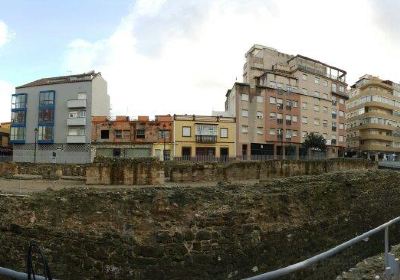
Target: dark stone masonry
[224,232]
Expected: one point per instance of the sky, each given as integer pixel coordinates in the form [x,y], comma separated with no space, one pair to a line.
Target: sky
[181,56]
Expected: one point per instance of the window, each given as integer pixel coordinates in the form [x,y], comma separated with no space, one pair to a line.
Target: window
[304,134]
[206,129]
[334,87]
[304,91]
[186,131]
[316,93]
[325,83]
[163,134]
[224,132]
[294,118]
[45,133]
[116,152]
[140,134]
[46,115]
[118,134]
[294,133]
[105,134]
[304,105]
[245,113]
[272,131]
[17,134]
[325,123]
[341,100]
[304,119]
[295,104]
[272,100]
[18,101]
[341,88]
[325,109]
[245,129]
[341,139]
[304,77]
[244,97]
[46,98]
[272,115]
[341,114]
[82,96]
[72,114]
[260,115]
[324,95]
[18,117]
[316,122]
[341,126]
[334,114]
[325,135]
[316,80]
[260,130]
[260,99]
[75,131]
[316,108]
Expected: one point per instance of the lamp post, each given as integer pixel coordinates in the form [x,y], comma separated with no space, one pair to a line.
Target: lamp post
[34,152]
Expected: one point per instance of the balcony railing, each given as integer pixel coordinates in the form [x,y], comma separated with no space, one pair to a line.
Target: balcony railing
[208,139]
[77,103]
[76,121]
[76,139]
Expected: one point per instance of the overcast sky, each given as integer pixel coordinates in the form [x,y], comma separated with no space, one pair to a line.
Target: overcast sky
[180,56]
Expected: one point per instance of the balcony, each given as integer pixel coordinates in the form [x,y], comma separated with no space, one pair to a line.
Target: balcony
[76,103]
[207,139]
[76,139]
[76,121]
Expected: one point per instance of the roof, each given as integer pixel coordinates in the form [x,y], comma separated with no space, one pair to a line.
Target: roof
[316,61]
[84,77]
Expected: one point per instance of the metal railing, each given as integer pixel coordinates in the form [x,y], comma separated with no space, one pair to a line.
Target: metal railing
[391,265]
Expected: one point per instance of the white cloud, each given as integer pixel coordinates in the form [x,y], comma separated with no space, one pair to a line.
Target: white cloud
[6,89]
[5,34]
[181,56]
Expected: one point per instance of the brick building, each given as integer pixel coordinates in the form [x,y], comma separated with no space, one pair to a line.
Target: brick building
[132,138]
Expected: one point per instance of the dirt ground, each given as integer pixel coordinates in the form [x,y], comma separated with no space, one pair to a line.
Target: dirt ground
[14,186]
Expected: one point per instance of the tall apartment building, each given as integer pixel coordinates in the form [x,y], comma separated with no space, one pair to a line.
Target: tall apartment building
[373,118]
[123,137]
[282,99]
[51,118]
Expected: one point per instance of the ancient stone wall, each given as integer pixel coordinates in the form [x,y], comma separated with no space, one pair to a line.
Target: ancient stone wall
[202,172]
[225,232]
[53,171]
[125,172]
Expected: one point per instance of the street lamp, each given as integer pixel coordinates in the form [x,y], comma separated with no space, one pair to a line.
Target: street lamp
[34,153]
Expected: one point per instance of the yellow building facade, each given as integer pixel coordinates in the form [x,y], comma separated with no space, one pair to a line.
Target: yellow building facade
[204,136]
[4,135]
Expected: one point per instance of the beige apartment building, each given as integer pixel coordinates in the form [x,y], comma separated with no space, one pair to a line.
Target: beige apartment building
[282,99]
[373,118]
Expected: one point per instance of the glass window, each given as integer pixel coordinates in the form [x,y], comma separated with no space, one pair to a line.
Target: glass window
[325,83]
[206,129]
[272,131]
[18,101]
[140,134]
[333,87]
[294,118]
[82,95]
[316,122]
[186,131]
[304,119]
[245,129]
[73,114]
[224,132]
[245,97]
[272,100]
[260,99]
[18,117]
[118,134]
[304,77]
[163,134]
[245,113]
[80,131]
[45,133]
[105,134]
[46,115]
[316,80]
[272,115]
[82,114]
[316,108]
[260,130]
[46,98]
[260,115]
[17,133]
[304,105]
